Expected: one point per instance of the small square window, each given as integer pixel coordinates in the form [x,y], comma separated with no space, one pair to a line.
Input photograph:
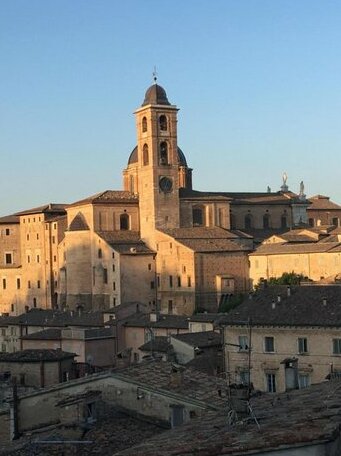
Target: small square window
[8,232]
[269,344]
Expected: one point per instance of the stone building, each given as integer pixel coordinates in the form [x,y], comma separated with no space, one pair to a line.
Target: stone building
[157,241]
[322,211]
[282,338]
[315,253]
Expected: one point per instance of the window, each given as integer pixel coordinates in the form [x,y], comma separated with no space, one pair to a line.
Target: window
[54,258]
[18,283]
[302,345]
[271,383]
[8,258]
[7,232]
[158,281]
[99,253]
[179,281]
[171,281]
[284,221]
[145,155]
[269,344]
[335,221]
[113,268]
[198,216]
[243,342]
[248,221]
[337,346]
[244,377]
[113,255]
[34,302]
[233,221]
[163,153]
[152,285]
[38,284]
[114,286]
[37,236]
[53,239]
[149,267]
[124,222]
[29,284]
[55,226]
[144,124]
[311,222]
[38,259]
[4,284]
[27,237]
[163,123]
[105,275]
[189,281]
[303,381]
[266,221]
[170,306]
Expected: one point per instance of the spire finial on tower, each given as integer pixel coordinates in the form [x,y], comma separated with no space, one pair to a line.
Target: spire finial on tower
[155,74]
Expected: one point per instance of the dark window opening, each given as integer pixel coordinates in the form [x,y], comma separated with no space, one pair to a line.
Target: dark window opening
[145,154]
[124,222]
[144,124]
[248,222]
[163,153]
[163,123]
[266,221]
[198,216]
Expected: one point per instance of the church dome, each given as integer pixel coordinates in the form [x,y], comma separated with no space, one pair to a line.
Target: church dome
[155,95]
[181,157]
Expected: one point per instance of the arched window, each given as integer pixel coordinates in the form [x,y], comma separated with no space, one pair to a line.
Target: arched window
[248,221]
[124,222]
[144,124]
[163,123]
[132,184]
[198,214]
[145,154]
[266,221]
[163,153]
[284,221]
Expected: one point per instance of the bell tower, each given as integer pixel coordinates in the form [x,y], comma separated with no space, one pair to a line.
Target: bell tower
[157,162]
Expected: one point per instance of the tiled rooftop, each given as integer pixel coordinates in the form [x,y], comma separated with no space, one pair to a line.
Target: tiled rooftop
[108,196]
[202,339]
[288,420]
[143,320]
[194,385]
[306,306]
[35,356]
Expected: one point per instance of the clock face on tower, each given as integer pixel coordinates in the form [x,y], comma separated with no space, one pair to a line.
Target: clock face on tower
[165,184]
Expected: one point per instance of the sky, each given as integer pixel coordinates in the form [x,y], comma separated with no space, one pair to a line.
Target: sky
[257,83]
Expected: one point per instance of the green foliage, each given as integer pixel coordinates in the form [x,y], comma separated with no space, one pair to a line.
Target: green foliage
[231,302]
[287,278]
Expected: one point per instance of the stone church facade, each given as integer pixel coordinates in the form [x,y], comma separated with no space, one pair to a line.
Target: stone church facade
[157,241]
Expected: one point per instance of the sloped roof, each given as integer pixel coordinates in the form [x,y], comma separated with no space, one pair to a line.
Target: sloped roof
[45,334]
[288,248]
[142,320]
[158,344]
[321,202]
[33,356]
[51,208]
[108,197]
[79,223]
[50,317]
[9,219]
[203,339]
[125,242]
[304,307]
[206,239]
[259,198]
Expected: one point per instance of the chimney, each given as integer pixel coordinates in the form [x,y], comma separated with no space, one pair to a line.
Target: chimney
[324,301]
[288,291]
[153,316]
[278,298]
[273,305]
[176,376]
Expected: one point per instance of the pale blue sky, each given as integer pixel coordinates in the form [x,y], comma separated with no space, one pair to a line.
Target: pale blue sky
[257,83]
